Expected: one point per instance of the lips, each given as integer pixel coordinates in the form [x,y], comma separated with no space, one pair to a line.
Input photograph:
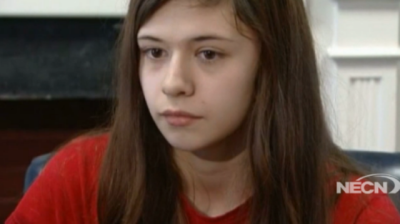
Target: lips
[179,113]
[179,118]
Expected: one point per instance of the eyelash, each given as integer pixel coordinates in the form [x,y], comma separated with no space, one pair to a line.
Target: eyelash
[148,51]
[217,54]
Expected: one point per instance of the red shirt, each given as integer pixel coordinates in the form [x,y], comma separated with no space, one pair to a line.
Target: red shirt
[65,192]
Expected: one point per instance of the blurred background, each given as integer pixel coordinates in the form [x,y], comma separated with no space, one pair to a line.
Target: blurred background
[357,43]
[56,67]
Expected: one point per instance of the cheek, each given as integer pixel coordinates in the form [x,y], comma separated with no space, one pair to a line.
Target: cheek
[150,87]
[232,106]
[229,103]
[232,93]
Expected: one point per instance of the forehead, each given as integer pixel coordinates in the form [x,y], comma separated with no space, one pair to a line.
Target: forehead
[180,19]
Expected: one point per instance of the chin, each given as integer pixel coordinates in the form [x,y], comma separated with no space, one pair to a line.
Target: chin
[186,144]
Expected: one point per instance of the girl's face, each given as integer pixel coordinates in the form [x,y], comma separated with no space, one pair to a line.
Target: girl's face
[193,59]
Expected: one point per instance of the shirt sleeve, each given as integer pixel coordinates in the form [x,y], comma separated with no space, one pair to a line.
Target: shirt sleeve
[59,193]
[380,210]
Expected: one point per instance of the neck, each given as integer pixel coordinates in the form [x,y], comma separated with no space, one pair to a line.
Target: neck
[216,179]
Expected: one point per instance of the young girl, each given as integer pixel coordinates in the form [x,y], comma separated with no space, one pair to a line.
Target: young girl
[218,120]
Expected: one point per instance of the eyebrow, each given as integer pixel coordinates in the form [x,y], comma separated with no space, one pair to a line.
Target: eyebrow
[194,39]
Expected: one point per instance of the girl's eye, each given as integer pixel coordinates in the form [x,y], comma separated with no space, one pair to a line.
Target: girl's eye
[209,55]
[154,53]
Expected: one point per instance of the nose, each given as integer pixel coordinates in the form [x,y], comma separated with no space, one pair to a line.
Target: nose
[177,80]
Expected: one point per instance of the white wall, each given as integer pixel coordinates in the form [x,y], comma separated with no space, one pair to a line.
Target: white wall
[81,8]
[359,54]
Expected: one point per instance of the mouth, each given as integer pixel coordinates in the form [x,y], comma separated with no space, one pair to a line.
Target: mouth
[179,118]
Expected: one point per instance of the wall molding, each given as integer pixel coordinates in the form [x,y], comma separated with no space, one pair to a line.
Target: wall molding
[363,53]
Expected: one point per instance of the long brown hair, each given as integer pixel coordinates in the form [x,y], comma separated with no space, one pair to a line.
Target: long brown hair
[291,149]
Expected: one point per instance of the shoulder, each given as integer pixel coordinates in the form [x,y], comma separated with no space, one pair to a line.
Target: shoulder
[84,146]
[368,207]
[81,156]
[87,149]
[78,162]
[66,188]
